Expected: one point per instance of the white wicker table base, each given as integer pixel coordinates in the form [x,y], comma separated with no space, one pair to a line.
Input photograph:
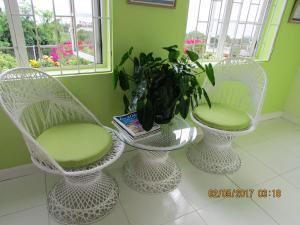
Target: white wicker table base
[82,200]
[152,172]
[213,158]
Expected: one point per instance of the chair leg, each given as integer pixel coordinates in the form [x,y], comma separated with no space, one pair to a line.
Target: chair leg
[214,154]
[82,200]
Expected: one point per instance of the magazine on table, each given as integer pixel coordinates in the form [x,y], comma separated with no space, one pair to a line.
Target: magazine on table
[131,127]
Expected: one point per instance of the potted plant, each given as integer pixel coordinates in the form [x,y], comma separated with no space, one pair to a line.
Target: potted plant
[160,87]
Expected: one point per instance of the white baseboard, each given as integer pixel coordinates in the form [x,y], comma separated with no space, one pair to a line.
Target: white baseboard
[270,116]
[291,118]
[18,171]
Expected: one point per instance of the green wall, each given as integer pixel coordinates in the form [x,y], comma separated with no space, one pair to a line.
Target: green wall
[149,29]
[283,64]
[292,106]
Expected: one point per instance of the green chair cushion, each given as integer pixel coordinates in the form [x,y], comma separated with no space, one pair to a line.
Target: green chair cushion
[76,144]
[222,117]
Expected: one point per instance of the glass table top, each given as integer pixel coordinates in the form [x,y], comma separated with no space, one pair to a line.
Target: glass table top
[172,136]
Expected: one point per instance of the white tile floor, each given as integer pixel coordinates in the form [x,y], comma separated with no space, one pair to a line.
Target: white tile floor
[271,159]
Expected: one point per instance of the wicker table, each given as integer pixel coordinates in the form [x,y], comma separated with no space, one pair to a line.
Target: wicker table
[151,170]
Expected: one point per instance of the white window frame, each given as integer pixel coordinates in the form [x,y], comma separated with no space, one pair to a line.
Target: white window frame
[100,18]
[16,31]
[257,30]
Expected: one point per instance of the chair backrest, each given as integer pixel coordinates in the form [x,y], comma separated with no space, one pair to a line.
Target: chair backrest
[35,102]
[240,83]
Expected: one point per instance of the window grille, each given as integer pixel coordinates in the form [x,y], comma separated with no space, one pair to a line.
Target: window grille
[219,29]
[79,36]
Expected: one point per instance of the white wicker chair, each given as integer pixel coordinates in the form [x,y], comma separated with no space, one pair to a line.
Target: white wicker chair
[241,84]
[35,102]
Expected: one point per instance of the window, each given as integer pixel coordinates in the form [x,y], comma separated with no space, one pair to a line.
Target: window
[60,36]
[219,29]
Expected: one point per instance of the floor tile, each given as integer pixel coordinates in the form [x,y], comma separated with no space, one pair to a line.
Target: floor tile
[293,177]
[33,216]
[51,180]
[278,156]
[22,193]
[116,217]
[285,209]
[252,171]
[195,183]
[266,130]
[189,219]
[235,212]
[151,209]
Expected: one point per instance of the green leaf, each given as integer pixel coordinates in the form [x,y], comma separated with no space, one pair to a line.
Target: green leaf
[177,109]
[126,56]
[210,73]
[200,66]
[200,92]
[192,55]
[173,55]
[145,114]
[143,59]
[184,107]
[192,102]
[196,99]
[183,86]
[124,82]
[115,77]
[136,64]
[126,103]
[130,51]
[172,47]
[149,57]
[194,82]
[206,98]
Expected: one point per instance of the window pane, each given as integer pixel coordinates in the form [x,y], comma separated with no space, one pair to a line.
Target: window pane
[84,28]
[72,62]
[216,10]
[33,52]
[29,30]
[46,60]
[56,35]
[5,37]
[248,34]
[7,59]
[202,28]
[245,9]
[205,10]
[62,7]
[25,7]
[253,13]
[83,8]
[88,50]
[46,27]
[41,7]
[64,30]
[236,7]
[231,29]
[240,31]
[192,16]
